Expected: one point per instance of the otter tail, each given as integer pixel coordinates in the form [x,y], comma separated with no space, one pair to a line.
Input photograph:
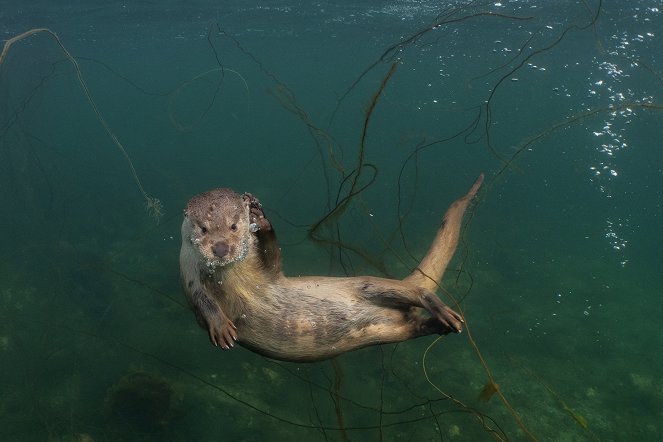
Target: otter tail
[432,267]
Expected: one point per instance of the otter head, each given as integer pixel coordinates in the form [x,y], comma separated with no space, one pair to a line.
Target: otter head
[218,225]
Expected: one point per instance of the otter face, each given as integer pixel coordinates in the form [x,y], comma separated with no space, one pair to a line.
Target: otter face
[218,226]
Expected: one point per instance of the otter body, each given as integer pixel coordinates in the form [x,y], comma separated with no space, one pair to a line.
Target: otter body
[230,267]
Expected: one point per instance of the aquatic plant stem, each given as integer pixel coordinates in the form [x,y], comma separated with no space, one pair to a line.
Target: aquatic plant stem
[491,379]
[153,205]
[355,188]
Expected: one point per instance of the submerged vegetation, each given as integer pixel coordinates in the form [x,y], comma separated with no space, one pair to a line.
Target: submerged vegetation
[355,141]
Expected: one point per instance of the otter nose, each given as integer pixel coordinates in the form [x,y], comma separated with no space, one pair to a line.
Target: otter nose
[220,249]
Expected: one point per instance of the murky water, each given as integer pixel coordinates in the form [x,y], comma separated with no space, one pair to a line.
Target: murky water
[558,274]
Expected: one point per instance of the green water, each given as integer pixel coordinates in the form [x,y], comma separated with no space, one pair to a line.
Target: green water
[559,271]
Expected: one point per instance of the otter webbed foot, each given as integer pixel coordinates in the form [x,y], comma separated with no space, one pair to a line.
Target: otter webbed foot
[452,320]
[447,317]
[222,333]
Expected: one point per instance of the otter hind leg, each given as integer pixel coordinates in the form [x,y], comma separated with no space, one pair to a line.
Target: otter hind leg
[415,326]
[402,296]
[408,326]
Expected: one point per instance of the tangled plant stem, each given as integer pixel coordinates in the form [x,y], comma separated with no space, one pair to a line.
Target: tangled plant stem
[153,205]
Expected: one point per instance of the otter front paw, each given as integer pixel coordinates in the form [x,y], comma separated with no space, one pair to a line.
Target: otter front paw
[256,212]
[222,333]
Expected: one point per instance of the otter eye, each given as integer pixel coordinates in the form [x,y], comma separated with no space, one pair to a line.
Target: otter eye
[203,230]
[233,227]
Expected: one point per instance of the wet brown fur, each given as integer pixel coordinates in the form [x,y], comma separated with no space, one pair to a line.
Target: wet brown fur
[230,266]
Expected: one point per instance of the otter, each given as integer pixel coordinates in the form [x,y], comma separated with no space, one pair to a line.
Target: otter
[230,267]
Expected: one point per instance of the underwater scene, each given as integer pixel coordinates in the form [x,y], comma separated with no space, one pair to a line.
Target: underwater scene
[356,124]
